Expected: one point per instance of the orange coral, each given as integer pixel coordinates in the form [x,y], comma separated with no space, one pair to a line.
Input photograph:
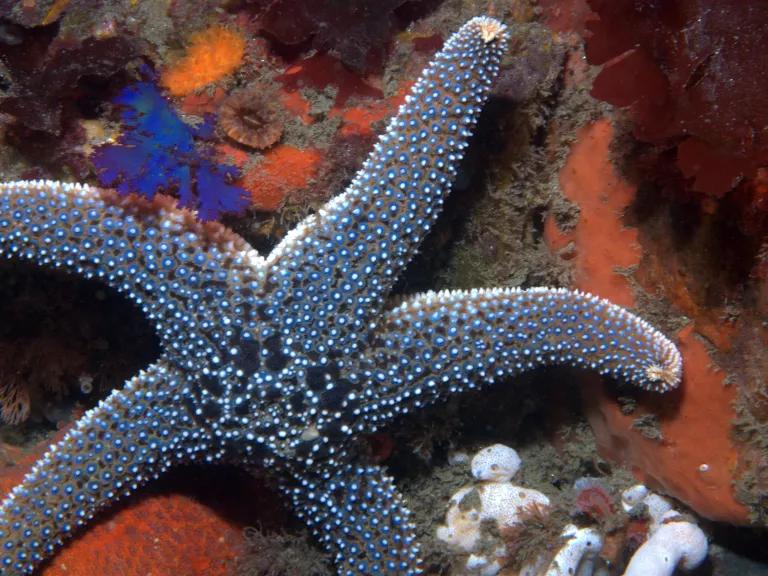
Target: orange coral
[212,54]
[285,170]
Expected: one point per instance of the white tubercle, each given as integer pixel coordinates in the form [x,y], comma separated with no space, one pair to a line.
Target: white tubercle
[674,544]
[581,545]
[496,463]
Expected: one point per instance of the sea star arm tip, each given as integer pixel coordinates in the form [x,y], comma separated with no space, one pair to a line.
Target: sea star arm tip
[356,245]
[483,335]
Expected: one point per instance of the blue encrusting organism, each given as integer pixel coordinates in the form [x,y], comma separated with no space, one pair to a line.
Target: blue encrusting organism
[157,151]
[284,362]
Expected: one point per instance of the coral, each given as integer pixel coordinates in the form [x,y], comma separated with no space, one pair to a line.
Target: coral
[212,54]
[358,31]
[581,546]
[496,463]
[673,542]
[688,74]
[252,117]
[640,501]
[158,152]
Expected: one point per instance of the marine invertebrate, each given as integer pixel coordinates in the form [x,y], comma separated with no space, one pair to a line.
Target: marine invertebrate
[497,463]
[593,498]
[14,399]
[638,500]
[582,545]
[282,362]
[604,243]
[492,498]
[673,540]
[674,543]
[158,152]
[284,171]
[212,54]
[252,117]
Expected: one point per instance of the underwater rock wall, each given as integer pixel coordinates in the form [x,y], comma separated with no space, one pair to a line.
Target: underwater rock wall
[626,169]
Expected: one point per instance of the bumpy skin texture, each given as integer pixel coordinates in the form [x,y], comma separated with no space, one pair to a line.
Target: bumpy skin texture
[282,362]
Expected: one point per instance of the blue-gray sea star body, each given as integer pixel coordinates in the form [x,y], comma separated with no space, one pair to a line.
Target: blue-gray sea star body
[280,362]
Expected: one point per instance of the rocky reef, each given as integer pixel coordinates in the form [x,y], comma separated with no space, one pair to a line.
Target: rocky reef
[624,152]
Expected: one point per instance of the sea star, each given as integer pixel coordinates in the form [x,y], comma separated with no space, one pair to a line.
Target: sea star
[281,362]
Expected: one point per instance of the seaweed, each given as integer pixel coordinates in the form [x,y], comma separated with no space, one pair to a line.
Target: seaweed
[688,74]
[357,31]
[51,76]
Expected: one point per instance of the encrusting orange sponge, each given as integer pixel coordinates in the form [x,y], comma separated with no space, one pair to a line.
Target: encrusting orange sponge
[212,54]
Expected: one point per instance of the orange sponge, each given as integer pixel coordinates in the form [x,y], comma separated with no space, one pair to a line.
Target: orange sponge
[211,55]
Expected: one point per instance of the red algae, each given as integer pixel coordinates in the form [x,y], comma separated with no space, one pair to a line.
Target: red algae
[688,75]
[322,70]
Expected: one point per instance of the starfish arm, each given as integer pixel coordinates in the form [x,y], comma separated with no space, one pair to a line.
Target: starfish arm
[438,343]
[359,516]
[132,436]
[164,260]
[329,276]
